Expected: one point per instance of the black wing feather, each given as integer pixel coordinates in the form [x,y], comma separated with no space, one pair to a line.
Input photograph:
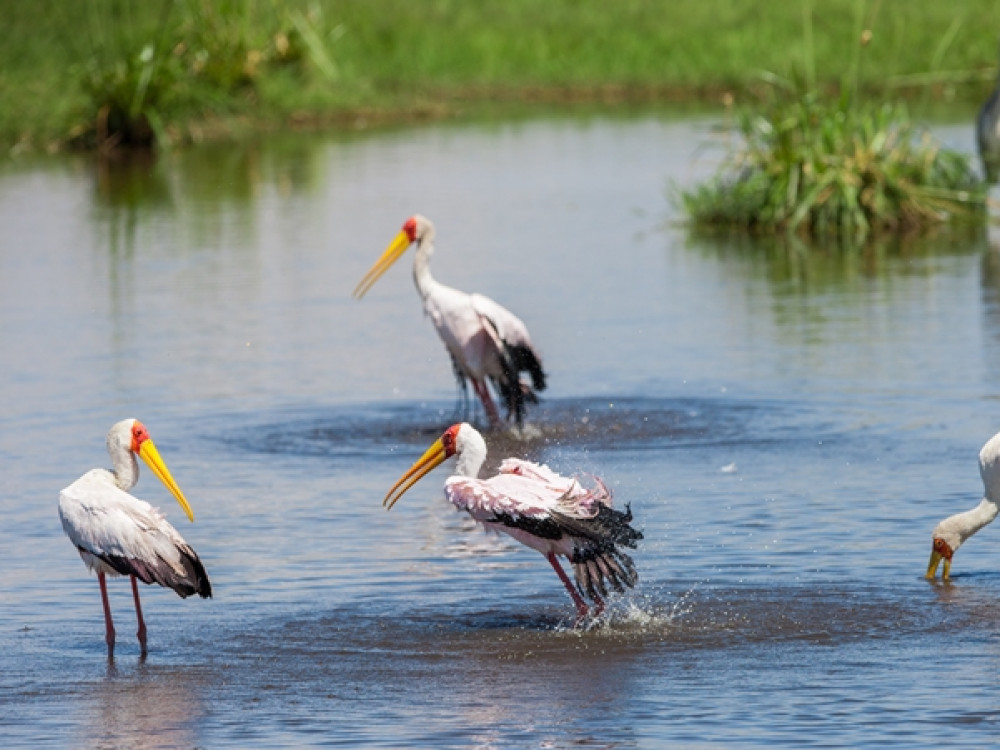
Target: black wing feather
[193,581]
[597,559]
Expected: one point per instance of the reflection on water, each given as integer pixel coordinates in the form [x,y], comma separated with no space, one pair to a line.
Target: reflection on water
[795,265]
[628,423]
[788,426]
[143,707]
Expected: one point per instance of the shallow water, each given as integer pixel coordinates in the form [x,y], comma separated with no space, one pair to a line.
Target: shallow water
[787,429]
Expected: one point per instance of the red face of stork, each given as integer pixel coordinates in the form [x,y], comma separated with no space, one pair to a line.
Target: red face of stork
[406,237]
[940,550]
[143,446]
[442,449]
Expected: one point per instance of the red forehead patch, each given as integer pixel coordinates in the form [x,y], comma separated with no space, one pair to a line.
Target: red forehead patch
[450,439]
[410,227]
[139,435]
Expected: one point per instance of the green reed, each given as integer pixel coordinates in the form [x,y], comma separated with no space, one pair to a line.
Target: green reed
[826,168]
[837,165]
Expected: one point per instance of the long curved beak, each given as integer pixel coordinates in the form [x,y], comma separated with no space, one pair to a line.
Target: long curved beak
[149,454]
[432,458]
[390,256]
[936,558]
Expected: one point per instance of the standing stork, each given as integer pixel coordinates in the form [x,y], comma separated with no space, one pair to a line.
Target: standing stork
[486,341]
[118,534]
[550,513]
[953,531]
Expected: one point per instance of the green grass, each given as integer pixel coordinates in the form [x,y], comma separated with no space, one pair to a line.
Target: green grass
[837,165]
[228,65]
[835,168]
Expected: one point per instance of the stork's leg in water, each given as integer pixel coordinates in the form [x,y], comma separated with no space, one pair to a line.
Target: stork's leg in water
[462,404]
[581,605]
[599,602]
[484,395]
[109,625]
[141,633]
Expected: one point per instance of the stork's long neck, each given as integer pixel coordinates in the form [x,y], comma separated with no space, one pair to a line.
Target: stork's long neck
[422,267]
[470,461]
[969,522]
[126,468]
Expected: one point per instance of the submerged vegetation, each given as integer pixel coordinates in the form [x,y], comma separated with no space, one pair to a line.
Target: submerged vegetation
[106,72]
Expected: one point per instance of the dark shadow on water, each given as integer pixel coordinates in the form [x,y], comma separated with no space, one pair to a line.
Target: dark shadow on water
[702,617]
[375,430]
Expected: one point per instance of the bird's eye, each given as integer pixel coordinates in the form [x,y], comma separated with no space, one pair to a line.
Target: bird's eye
[450,439]
[139,435]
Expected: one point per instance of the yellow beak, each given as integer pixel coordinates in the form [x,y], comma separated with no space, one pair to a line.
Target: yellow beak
[390,256]
[149,454]
[432,458]
[936,558]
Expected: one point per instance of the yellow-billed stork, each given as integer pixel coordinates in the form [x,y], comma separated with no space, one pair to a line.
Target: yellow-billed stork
[953,531]
[550,513]
[118,534]
[487,342]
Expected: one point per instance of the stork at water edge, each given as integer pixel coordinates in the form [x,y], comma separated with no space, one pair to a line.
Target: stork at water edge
[486,342]
[955,530]
[118,534]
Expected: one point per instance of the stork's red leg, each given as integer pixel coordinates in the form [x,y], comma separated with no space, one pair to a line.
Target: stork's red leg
[109,625]
[484,395]
[141,633]
[581,605]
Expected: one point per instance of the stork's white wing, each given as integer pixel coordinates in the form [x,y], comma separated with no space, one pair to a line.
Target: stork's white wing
[103,520]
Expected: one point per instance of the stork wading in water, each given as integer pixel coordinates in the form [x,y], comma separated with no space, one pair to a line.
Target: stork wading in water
[550,513]
[119,535]
[953,531]
[487,342]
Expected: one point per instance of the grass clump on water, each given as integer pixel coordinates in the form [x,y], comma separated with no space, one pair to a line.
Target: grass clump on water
[836,168]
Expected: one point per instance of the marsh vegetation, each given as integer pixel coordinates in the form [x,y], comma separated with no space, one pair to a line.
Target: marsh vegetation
[179,70]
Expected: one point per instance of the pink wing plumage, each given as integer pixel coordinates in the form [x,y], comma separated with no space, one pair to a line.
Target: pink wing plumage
[554,515]
[523,488]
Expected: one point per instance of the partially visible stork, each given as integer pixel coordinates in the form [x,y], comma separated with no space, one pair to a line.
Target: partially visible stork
[487,342]
[550,513]
[988,135]
[953,531]
[118,534]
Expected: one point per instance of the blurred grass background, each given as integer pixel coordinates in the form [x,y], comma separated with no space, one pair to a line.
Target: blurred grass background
[192,69]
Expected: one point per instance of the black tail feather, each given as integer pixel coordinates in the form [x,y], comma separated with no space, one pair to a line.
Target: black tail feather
[525,360]
[594,569]
[194,579]
[514,392]
[598,560]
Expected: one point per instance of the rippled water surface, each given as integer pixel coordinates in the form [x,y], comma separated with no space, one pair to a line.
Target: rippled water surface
[787,426]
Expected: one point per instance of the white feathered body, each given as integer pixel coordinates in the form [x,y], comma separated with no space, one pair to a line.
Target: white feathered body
[475,330]
[486,341]
[553,514]
[119,534]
